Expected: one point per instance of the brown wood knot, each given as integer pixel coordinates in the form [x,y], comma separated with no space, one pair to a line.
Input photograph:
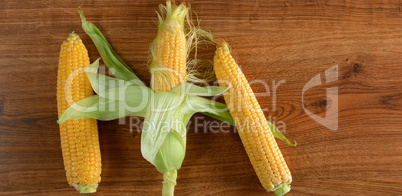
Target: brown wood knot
[322,103]
[352,69]
[356,68]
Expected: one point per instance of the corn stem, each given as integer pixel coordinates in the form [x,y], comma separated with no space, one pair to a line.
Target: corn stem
[169,182]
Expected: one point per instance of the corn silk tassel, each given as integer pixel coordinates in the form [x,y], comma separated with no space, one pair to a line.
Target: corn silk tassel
[177,37]
[166,111]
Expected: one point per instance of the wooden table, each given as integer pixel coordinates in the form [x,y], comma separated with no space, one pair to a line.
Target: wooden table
[288,41]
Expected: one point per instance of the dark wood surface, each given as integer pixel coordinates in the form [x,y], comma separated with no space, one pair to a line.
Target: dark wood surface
[271,40]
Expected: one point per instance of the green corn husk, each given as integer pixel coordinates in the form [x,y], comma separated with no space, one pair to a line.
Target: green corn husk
[112,60]
[114,99]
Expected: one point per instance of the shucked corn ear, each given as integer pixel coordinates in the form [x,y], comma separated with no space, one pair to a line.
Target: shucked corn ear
[79,138]
[254,130]
[169,48]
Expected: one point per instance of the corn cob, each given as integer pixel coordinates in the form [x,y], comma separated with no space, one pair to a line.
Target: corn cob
[260,145]
[79,138]
[169,50]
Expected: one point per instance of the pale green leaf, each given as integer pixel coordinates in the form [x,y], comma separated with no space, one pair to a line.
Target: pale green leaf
[99,108]
[171,154]
[210,108]
[158,123]
[191,89]
[278,134]
[100,82]
[109,56]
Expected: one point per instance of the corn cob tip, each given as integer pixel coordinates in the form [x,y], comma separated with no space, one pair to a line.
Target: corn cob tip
[173,14]
[282,189]
[225,46]
[72,34]
[85,189]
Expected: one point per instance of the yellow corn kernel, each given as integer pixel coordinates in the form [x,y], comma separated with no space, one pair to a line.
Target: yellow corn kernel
[72,86]
[256,136]
[168,50]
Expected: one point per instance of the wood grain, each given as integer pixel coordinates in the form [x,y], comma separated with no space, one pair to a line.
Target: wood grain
[272,41]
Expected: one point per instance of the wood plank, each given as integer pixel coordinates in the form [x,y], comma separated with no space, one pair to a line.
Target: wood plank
[280,40]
